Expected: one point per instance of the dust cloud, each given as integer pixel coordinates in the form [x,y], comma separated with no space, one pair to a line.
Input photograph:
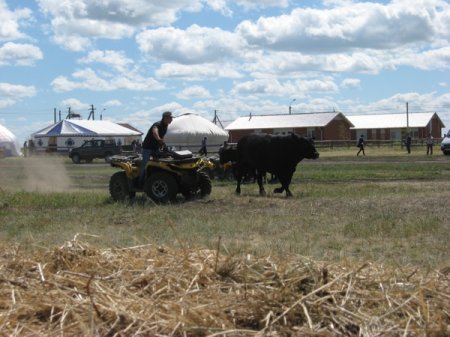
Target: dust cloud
[45,174]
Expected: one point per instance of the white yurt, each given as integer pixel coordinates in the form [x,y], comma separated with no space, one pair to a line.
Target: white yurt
[187,131]
[8,143]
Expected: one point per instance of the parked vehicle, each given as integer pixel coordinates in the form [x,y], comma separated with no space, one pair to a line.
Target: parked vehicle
[95,148]
[445,144]
[177,172]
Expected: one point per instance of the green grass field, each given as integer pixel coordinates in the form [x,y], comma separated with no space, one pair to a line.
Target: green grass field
[386,207]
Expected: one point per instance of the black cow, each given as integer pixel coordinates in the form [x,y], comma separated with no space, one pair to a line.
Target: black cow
[274,154]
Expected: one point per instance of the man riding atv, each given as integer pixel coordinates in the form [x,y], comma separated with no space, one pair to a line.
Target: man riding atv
[160,173]
[154,140]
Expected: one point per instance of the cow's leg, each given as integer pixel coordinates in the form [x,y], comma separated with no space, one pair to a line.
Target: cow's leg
[238,178]
[259,176]
[285,180]
[287,183]
[281,178]
[238,186]
[278,190]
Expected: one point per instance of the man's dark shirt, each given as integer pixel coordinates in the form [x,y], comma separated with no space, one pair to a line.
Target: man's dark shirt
[150,141]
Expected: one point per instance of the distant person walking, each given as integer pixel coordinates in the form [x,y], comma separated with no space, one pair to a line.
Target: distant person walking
[25,149]
[30,149]
[203,149]
[430,143]
[361,145]
[408,143]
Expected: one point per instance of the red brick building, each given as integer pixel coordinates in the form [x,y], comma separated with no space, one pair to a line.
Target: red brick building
[321,125]
[396,126]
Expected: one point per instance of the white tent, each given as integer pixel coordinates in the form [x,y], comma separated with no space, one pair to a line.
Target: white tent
[8,143]
[71,133]
[187,131]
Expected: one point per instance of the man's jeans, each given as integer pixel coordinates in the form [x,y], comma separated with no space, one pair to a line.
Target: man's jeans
[146,154]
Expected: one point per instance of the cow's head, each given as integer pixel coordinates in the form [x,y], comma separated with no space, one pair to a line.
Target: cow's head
[306,147]
[228,155]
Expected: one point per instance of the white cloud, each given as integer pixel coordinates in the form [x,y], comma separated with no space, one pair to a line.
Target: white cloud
[113,102]
[10,22]
[274,87]
[195,91]
[72,42]
[88,79]
[295,64]
[6,102]
[351,83]
[195,45]
[220,6]
[115,59]
[197,72]
[80,20]
[251,4]
[19,54]
[14,90]
[431,59]
[349,27]
[75,105]
[10,94]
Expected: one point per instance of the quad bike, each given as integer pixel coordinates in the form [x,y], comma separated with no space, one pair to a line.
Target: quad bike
[174,172]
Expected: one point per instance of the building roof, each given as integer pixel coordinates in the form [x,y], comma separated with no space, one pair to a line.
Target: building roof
[131,127]
[73,127]
[392,121]
[305,120]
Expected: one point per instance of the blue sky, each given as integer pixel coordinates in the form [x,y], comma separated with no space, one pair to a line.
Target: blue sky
[134,59]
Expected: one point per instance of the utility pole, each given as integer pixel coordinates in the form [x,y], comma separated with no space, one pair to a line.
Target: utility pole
[407,117]
[69,114]
[216,119]
[91,113]
[290,107]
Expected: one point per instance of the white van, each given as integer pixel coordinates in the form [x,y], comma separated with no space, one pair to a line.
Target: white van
[445,145]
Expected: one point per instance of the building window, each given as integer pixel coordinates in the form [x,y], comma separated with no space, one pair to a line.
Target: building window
[362,132]
[395,134]
[283,132]
[311,133]
[70,142]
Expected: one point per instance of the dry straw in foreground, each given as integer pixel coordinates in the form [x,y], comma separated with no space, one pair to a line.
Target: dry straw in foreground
[78,290]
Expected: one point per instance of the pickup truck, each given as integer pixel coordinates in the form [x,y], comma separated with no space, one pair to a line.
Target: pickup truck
[445,145]
[95,148]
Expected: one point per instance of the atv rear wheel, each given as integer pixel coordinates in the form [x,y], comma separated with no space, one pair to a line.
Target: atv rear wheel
[201,189]
[118,187]
[161,187]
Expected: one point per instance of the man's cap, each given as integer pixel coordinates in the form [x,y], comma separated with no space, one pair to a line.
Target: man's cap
[167,114]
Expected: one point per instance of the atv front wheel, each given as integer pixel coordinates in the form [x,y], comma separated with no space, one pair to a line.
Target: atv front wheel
[161,187]
[204,184]
[118,187]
